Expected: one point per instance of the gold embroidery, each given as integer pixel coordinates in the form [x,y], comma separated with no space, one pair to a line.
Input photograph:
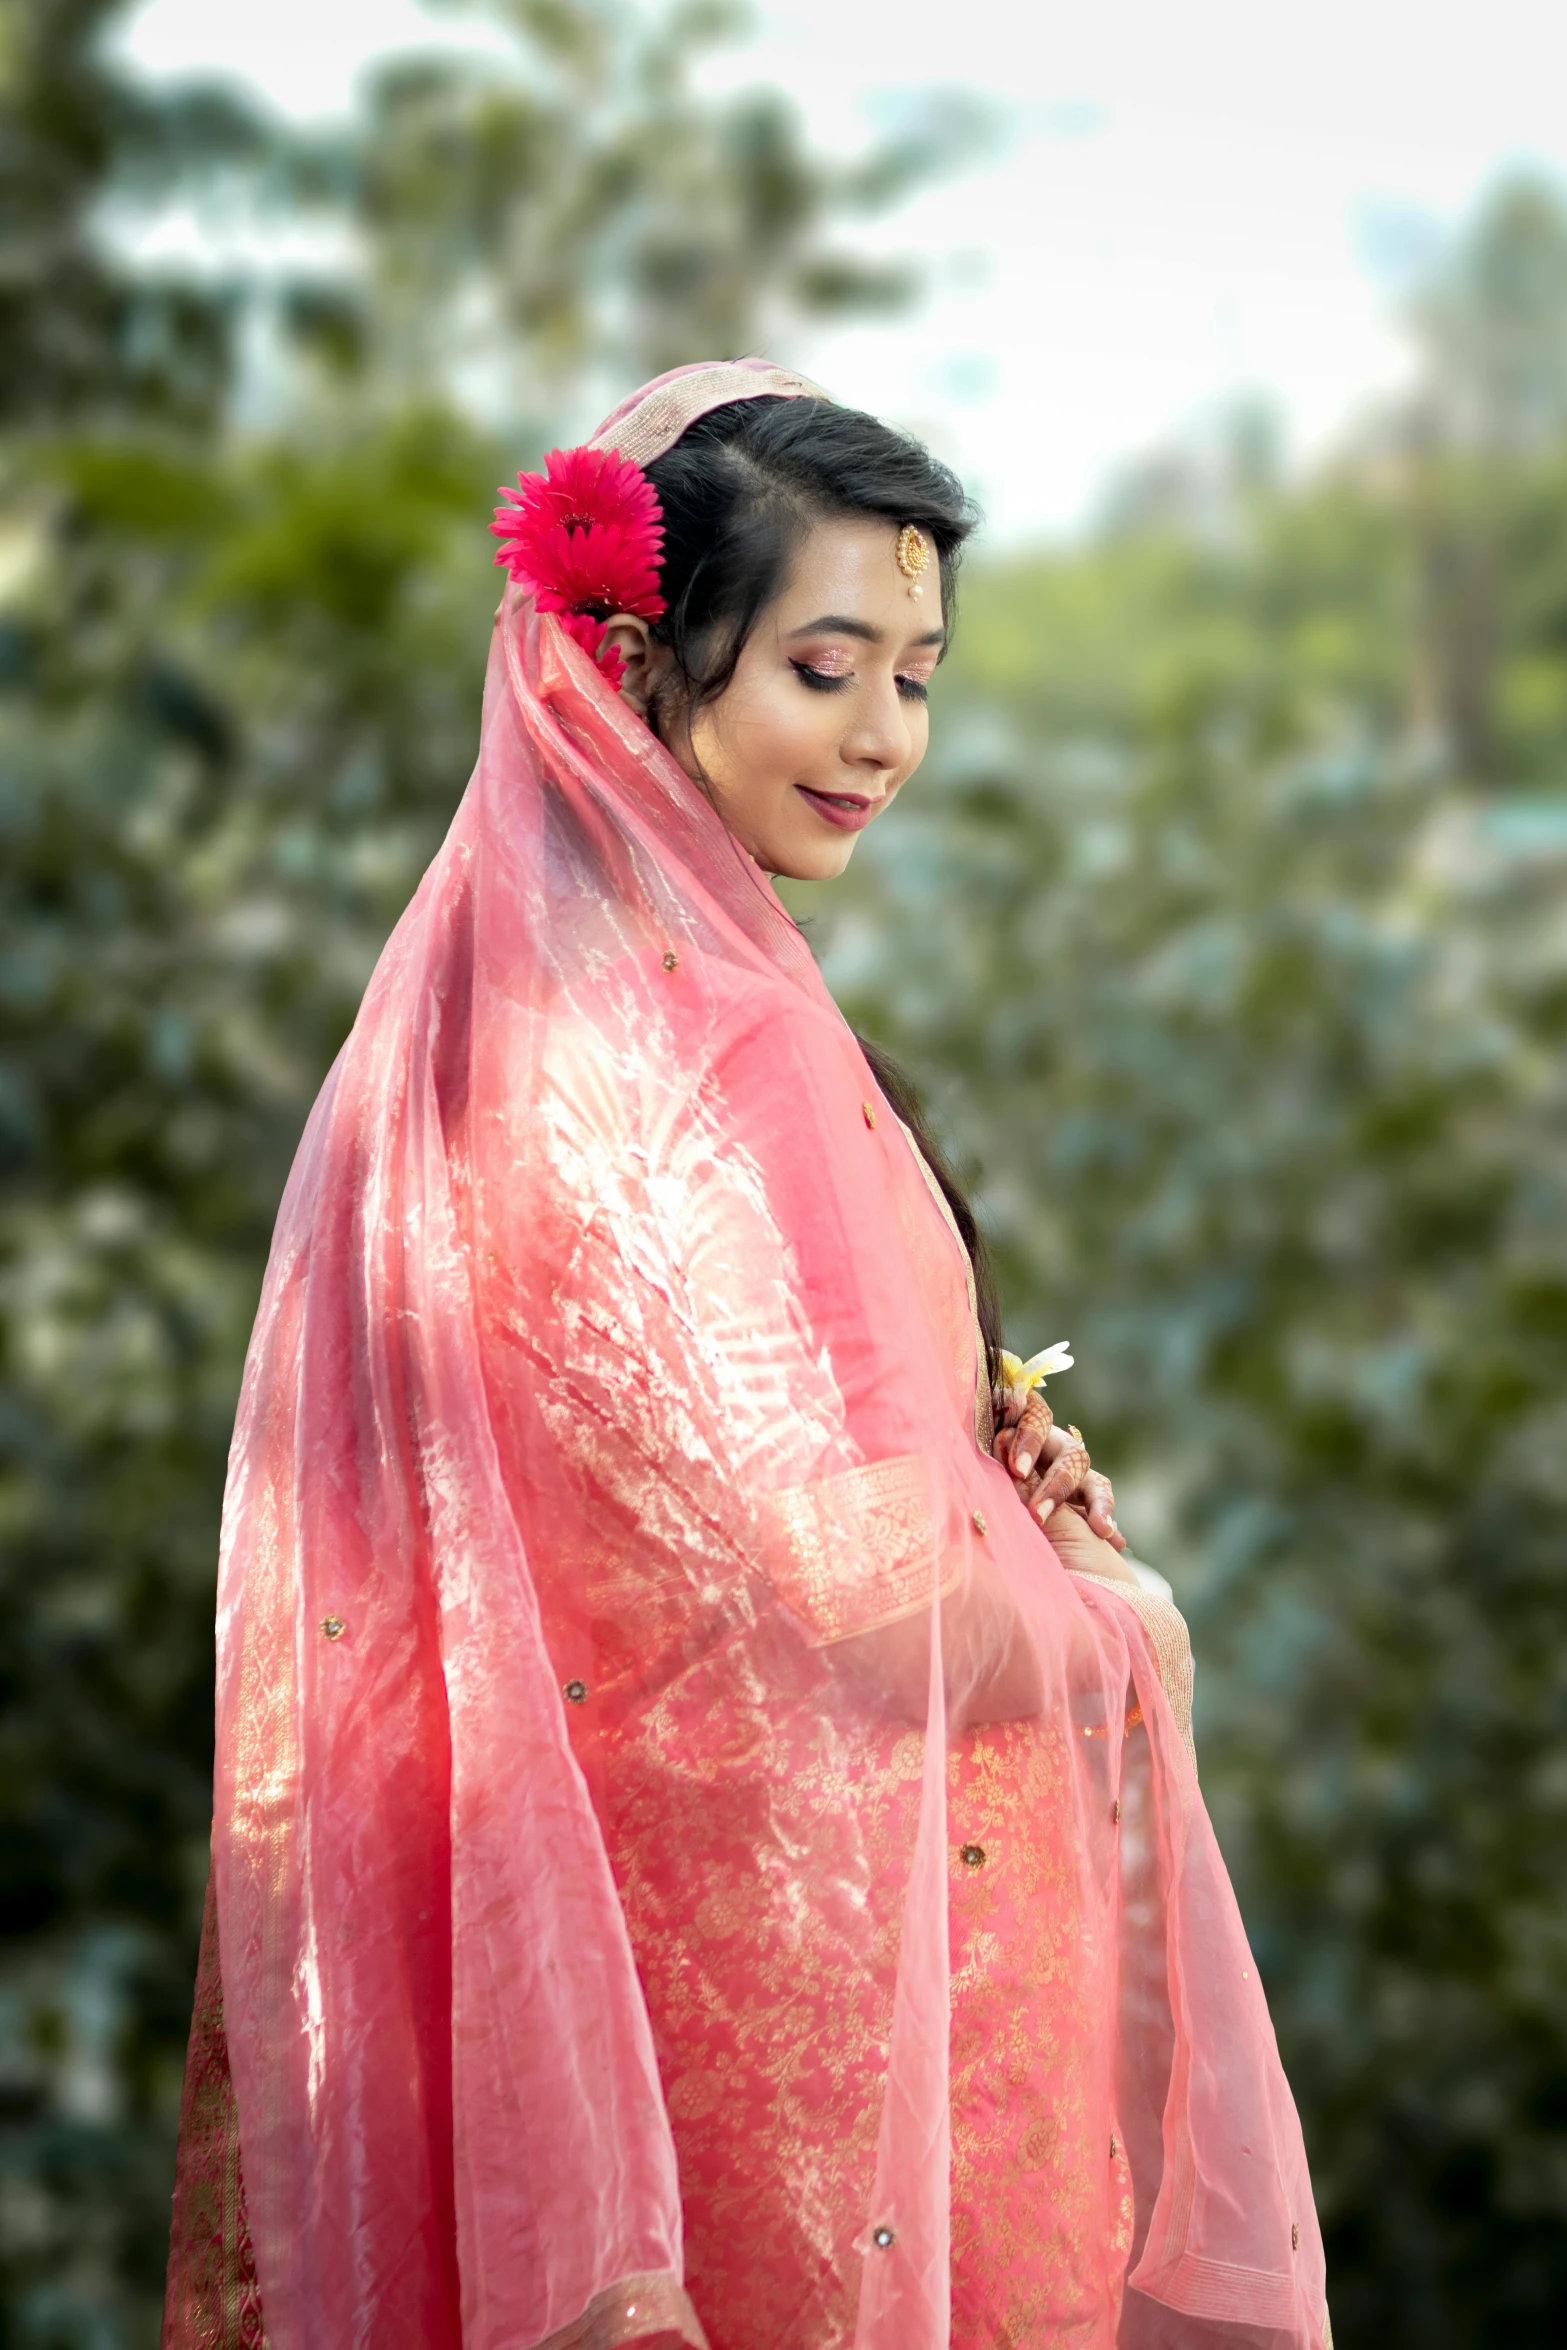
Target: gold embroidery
[1033,2210]
[655,422]
[770,2013]
[855,1551]
[213,2301]
[1102,1729]
[1171,1644]
[630,2312]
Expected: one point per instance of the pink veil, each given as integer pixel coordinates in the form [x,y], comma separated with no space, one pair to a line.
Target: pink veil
[597,1249]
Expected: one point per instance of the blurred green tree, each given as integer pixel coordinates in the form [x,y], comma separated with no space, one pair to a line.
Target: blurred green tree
[1493,322]
[244,606]
[75,331]
[551,239]
[1226,925]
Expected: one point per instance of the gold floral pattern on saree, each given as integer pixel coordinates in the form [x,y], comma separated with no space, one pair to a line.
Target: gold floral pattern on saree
[771,2012]
[1041,2193]
[854,1551]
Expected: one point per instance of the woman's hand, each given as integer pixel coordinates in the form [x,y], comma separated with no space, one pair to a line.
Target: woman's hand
[1080,1550]
[1052,1467]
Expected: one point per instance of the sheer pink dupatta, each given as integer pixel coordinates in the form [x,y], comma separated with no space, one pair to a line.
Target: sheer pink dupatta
[450,2113]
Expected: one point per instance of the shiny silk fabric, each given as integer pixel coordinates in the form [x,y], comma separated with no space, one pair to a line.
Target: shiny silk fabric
[688,1862]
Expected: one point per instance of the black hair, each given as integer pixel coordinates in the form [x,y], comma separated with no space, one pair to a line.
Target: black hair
[740,490]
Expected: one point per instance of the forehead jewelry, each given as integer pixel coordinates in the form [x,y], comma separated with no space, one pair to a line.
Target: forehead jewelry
[913,557]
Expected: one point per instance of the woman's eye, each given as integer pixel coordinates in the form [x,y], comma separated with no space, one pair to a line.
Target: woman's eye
[817,679]
[914,689]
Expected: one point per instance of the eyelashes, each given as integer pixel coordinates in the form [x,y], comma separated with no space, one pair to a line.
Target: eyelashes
[819,681]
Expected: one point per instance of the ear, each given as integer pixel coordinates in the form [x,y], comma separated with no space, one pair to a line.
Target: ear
[645,662]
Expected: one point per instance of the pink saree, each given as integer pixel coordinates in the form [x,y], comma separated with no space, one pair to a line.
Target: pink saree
[616,1935]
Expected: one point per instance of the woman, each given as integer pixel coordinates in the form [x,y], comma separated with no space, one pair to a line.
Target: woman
[693,1860]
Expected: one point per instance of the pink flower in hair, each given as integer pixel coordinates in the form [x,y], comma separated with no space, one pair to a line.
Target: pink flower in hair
[585,535]
[587,632]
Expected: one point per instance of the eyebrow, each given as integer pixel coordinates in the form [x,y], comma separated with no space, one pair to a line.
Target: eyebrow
[841,625]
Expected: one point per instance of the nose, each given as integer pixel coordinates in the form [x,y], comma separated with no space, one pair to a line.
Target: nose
[878,739]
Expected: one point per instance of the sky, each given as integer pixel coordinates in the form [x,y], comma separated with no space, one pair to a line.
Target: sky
[1188,204]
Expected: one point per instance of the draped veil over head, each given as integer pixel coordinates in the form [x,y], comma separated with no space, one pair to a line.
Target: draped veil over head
[582,1866]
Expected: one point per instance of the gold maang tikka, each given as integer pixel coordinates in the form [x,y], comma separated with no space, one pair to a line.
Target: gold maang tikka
[913,557]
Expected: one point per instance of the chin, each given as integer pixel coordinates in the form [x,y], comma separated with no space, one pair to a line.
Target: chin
[809,861]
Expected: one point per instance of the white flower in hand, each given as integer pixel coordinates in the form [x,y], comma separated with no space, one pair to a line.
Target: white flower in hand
[1019,1379]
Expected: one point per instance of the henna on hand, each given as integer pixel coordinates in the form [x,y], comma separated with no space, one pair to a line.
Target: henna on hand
[1053,1468]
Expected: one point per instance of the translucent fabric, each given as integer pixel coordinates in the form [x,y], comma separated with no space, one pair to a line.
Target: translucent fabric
[688,1860]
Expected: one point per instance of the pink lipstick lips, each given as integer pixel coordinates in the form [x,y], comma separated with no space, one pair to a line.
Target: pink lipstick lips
[847,810]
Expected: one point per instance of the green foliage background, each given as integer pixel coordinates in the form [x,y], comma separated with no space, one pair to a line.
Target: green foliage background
[1226,926]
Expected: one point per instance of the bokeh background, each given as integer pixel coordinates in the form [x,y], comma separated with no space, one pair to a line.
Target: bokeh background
[1226,928]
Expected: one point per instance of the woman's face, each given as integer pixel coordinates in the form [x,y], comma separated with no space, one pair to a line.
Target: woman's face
[824,720]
